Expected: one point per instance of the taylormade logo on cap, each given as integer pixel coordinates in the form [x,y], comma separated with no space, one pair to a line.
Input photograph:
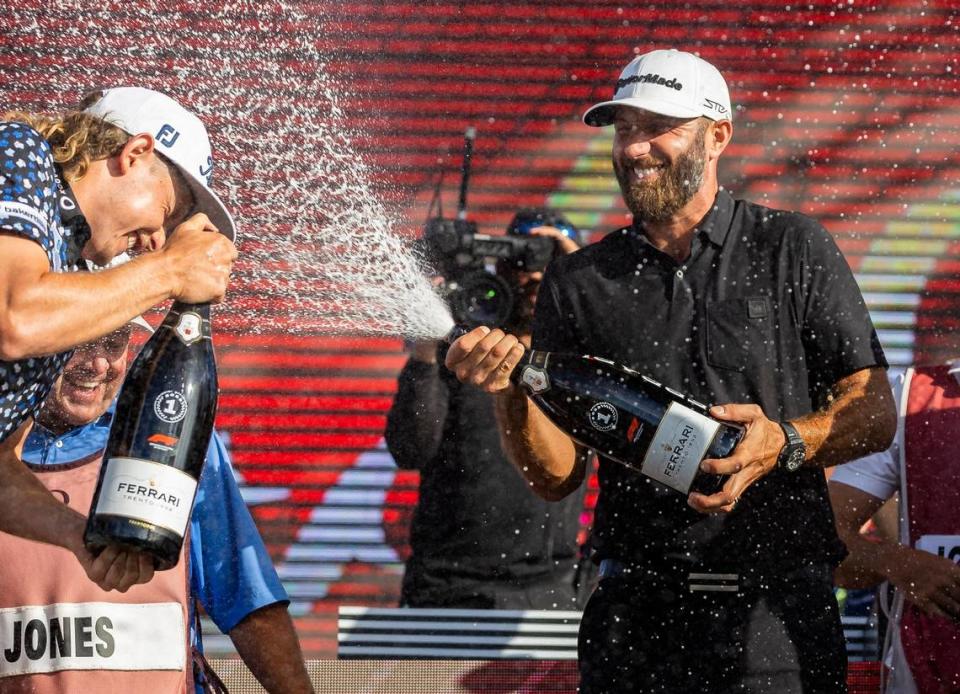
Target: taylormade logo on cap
[669,82]
[179,136]
[656,79]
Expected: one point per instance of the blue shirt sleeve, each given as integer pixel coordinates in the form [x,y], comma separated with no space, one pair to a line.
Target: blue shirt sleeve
[231,573]
[29,188]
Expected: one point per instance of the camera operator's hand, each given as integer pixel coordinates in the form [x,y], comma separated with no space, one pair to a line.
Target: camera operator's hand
[485,358]
[564,243]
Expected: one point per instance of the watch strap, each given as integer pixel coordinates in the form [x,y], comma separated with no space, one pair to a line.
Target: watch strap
[794,442]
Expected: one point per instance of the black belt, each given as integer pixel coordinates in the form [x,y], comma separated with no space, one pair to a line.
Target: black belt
[701,580]
[696,581]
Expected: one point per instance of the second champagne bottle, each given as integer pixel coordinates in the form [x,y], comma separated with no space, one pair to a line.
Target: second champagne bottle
[629,417]
[626,416]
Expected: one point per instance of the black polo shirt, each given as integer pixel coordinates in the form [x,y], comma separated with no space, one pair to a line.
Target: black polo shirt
[765,310]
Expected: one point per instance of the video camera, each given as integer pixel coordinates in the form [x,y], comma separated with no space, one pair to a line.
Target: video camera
[469,261]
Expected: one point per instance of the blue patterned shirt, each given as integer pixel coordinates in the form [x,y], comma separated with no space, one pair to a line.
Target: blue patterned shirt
[31,196]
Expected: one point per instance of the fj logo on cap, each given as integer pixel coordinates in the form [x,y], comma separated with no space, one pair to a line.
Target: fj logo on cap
[168,135]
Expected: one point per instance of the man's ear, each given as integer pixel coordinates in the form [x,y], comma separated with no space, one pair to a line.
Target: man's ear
[721,132]
[139,150]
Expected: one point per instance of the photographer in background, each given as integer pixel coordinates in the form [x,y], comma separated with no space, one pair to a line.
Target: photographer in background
[480,538]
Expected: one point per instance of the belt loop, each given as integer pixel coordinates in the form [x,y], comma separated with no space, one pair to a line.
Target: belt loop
[713,582]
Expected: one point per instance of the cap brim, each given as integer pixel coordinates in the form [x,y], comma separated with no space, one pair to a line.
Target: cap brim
[210,205]
[602,114]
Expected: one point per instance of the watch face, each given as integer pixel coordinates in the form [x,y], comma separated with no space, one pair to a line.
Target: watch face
[795,460]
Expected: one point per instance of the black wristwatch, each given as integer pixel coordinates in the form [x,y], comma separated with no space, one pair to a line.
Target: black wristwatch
[794,451]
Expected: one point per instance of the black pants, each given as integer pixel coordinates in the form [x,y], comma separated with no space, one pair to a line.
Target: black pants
[778,637]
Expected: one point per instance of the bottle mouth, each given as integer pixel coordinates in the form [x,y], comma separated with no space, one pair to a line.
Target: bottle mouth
[456,332]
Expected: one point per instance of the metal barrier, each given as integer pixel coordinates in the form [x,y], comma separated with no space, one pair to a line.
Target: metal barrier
[366,632]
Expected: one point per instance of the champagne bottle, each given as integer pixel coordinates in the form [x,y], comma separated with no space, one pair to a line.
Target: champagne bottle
[627,417]
[158,440]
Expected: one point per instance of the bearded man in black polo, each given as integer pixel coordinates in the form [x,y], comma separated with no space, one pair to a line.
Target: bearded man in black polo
[731,303]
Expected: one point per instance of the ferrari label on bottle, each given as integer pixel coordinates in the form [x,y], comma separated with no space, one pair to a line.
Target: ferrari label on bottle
[678,446]
[151,492]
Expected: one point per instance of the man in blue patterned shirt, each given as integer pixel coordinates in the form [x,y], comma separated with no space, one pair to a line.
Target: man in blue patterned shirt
[129,171]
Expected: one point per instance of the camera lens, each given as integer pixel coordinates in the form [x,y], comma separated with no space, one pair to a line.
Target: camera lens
[482,299]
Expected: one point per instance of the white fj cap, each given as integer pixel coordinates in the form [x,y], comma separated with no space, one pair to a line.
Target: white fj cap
[180,137]
[668,82]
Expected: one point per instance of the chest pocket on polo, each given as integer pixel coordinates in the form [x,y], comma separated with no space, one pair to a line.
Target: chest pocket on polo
[740,333]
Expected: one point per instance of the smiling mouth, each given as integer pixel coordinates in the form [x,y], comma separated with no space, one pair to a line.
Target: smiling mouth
[84,385]
[642,173]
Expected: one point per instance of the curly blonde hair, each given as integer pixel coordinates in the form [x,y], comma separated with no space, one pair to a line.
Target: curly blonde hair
[76,138]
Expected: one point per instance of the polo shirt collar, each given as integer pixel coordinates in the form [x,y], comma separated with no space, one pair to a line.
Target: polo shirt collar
[72,219]
[714,226]
[43,447]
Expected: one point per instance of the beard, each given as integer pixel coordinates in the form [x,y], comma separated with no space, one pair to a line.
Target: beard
[674,187]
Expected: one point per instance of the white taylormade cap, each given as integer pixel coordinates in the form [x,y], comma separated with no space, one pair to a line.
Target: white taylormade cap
[668,82]
[179,135]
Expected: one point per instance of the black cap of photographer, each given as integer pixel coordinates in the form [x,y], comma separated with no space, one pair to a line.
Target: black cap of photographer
[524,281]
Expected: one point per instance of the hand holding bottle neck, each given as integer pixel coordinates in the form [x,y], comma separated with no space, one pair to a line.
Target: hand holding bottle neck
[524,338]
[482,357]
[202,309]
